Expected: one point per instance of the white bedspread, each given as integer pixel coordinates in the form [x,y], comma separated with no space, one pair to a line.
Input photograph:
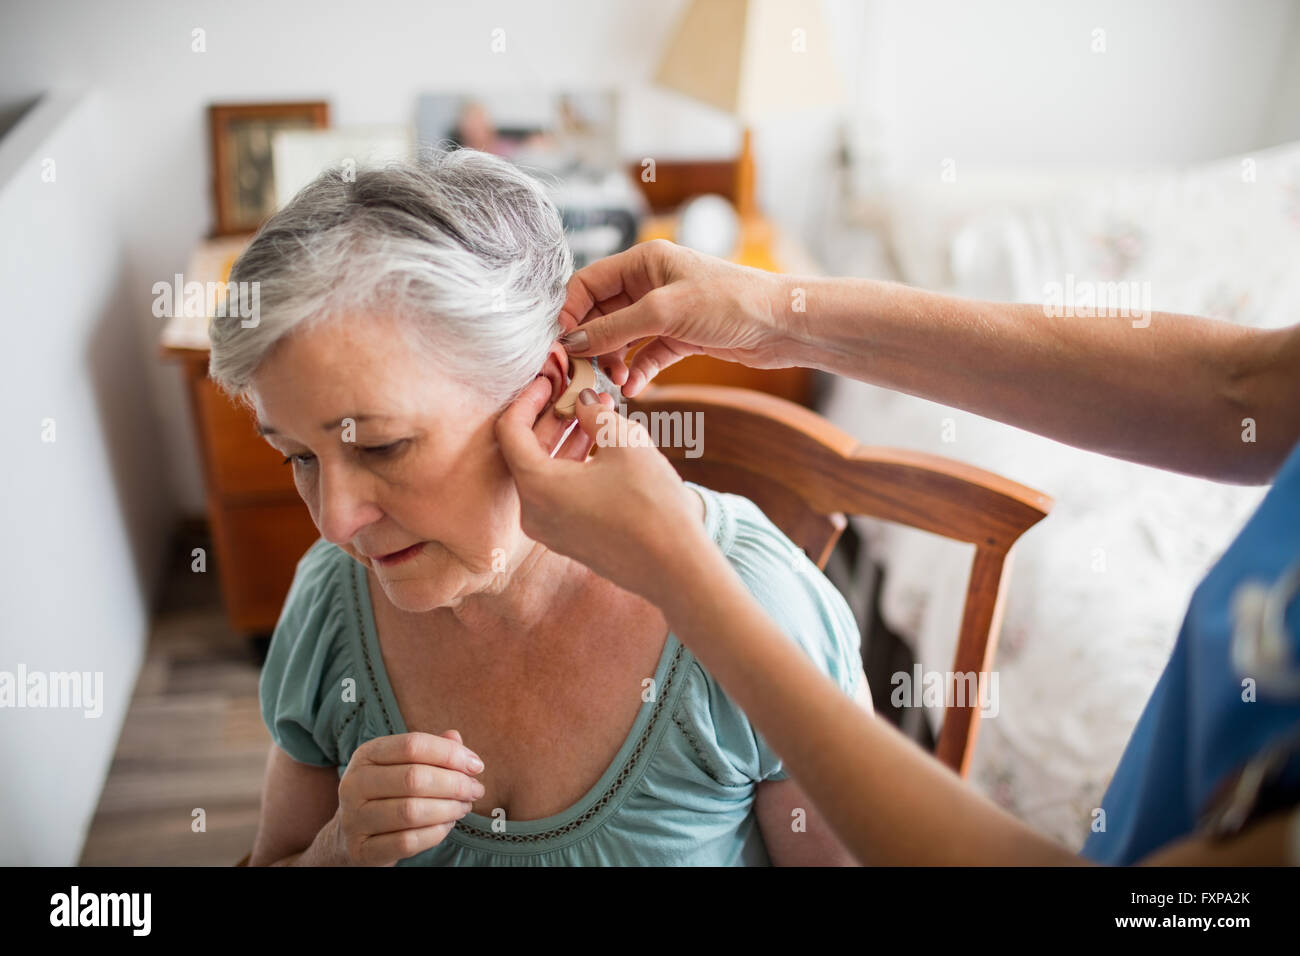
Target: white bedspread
[1099,588]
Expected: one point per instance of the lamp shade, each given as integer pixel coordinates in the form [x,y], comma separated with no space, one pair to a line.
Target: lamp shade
[752,58]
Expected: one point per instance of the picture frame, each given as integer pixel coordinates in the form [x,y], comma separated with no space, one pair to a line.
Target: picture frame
[568,131]
[300,155]
[243,172]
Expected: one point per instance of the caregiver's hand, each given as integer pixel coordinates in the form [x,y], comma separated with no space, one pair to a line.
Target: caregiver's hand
[401,795]
[684,303]
[622,513]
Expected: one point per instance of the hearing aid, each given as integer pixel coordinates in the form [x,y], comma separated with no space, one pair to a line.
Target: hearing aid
[584,376]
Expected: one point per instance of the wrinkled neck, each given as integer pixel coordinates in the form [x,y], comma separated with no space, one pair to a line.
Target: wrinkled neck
[540,586]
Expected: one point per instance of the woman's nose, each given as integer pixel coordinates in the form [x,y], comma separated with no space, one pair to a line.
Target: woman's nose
[345,503]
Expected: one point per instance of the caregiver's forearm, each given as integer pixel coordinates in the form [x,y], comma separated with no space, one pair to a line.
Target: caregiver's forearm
[888,801]
[1172,394]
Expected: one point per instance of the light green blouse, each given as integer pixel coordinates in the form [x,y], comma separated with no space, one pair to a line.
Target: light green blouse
[681,789]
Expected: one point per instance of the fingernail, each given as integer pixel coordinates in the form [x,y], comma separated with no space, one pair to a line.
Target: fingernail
[575,341]
[587,396]
[474,763]
[479,789]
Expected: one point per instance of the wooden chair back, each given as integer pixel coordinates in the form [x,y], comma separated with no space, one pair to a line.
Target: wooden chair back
[806,475]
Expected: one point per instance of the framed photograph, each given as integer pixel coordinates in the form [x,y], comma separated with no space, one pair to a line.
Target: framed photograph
[568,140]
[300,155]
[568,132]
[243,169]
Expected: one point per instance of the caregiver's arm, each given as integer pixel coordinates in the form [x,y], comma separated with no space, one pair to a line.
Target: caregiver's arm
[795,831]
[889,802]
[628,515]
[1173,392]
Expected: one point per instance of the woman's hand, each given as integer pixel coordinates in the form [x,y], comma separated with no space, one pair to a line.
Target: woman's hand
[684,302]
[402,794]
[621,513]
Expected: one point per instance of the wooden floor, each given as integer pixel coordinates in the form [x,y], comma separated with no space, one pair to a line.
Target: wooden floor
[193,738]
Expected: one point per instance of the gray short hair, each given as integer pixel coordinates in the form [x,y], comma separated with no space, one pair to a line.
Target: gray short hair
[464,248]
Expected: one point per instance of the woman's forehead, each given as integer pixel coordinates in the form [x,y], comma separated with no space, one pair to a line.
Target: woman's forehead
[355,337]
[363,354]
[318,380]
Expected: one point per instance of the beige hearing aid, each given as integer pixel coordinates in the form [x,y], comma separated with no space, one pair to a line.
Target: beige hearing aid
[584,376]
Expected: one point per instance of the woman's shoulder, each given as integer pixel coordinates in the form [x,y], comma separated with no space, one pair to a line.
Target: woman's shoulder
[746,535]
[805,605]
[321,559]
[776,571]
[310,651]
[318,595]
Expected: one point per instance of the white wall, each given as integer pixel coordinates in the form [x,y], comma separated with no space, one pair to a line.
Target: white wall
[1016,84]
[1285,124]
[1018,80]
[80,520]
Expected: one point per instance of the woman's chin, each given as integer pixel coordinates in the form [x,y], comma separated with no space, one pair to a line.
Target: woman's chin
[419,593]
[416,595]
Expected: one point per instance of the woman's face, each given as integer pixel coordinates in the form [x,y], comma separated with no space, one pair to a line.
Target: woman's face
[419,469]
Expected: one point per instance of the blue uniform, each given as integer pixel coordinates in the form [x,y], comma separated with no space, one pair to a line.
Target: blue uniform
[1206,717]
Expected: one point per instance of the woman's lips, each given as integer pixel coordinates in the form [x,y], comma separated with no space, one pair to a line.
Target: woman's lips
[397,557]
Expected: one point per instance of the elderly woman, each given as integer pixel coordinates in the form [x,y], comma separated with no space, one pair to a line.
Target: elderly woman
[401,309]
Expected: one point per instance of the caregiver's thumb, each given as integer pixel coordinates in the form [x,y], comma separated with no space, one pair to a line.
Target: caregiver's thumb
[601,335]
[615,437]
[674,302]
[594,417]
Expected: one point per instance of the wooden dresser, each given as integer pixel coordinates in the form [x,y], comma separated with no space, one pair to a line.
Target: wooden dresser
[261,527]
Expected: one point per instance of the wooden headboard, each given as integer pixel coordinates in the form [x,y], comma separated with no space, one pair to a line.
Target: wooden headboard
[678,180]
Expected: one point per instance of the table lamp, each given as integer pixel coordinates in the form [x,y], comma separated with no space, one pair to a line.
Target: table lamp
[752,59]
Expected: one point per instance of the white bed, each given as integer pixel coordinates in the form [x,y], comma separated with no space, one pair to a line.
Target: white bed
[1098,589]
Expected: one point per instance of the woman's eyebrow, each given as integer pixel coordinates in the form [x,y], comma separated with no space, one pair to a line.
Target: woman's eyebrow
[264,429]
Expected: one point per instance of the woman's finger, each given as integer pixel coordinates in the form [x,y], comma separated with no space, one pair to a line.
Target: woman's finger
[396,781]
[404,844]
[395,814]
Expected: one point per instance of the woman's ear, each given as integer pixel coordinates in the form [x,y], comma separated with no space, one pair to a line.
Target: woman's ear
[556,369]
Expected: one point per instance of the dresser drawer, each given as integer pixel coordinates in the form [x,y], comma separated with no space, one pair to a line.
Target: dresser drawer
[258,547]
[237,459]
